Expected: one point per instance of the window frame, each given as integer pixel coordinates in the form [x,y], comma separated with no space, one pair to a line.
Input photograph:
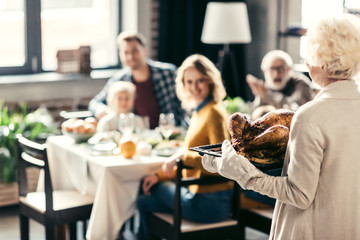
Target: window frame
[33,44]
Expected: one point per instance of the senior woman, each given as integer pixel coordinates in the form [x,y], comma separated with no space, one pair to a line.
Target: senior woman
[318,193]
[198,86]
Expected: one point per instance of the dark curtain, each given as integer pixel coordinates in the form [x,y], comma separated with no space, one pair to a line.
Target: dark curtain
[180,28]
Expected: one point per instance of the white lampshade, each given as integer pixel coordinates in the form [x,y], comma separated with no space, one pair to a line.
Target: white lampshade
[226,22]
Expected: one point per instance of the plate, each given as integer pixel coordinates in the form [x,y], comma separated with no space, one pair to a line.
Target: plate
[79,137]
[215,150]
[102,148]
[166,152]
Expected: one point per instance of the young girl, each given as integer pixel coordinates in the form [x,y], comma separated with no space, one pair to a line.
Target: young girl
[121,97]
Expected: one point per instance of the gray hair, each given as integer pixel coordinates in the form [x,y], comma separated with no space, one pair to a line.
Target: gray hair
[275,54]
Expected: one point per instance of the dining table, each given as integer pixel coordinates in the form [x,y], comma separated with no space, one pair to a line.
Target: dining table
[112,179]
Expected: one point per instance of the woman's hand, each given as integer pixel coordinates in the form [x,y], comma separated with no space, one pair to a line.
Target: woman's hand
[149,181]
[230,165]
[168,167]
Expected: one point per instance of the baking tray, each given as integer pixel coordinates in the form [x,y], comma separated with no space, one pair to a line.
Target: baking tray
[215,150]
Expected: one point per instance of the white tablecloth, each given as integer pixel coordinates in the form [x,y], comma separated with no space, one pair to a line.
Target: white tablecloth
[112,180]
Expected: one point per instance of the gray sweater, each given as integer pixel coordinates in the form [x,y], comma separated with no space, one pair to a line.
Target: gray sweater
[296,92]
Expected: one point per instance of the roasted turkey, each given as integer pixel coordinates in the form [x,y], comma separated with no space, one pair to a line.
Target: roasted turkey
[264,138]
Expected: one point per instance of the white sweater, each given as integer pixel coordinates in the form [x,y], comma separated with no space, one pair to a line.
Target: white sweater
[318,194]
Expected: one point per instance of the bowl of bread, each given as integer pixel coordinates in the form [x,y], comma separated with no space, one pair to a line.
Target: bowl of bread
[81,130]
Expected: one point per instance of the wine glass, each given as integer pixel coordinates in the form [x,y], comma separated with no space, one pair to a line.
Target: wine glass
[126,124]
[166,124]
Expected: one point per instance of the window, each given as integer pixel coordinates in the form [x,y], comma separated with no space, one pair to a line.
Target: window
[313,11]
[34,30]
[12,41]
[352,6]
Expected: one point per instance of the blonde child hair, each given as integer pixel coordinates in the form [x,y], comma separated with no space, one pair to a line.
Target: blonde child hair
[120,86]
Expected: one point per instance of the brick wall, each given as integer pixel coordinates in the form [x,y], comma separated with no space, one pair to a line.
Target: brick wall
[154,29]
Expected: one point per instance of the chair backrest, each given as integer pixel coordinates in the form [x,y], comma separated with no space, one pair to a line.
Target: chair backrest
[210,180]
[33,154]
[259,218]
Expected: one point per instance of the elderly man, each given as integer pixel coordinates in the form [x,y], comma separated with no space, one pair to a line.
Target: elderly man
[154,81]
[281,89]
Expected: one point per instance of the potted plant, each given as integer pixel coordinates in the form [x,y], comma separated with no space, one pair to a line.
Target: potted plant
[33,125]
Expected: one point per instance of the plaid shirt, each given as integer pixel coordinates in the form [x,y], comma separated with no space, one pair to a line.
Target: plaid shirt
[163,79]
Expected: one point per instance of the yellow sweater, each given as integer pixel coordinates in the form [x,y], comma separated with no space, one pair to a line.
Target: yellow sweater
[208,126]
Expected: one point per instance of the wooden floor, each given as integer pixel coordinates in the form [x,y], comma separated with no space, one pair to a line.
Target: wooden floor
[9,228]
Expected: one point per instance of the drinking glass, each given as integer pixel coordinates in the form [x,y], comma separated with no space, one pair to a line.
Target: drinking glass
[126,124]
[166,124]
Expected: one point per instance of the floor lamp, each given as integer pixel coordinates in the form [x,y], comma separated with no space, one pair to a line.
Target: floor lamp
[226,23]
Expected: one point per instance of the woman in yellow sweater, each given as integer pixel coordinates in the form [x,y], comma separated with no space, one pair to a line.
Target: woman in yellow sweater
[199,86]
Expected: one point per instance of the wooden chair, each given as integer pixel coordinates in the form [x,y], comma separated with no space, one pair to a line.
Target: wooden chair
[49,208]
[173,227]
[259,219]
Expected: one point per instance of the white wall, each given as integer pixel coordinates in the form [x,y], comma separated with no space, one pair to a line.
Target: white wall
[136,16]
[129,15]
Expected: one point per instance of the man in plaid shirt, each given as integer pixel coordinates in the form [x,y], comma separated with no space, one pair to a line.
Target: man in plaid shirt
[155,82]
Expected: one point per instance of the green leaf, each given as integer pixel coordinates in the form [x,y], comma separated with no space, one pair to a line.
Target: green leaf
[15,123]
[7,166]
[236,104]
